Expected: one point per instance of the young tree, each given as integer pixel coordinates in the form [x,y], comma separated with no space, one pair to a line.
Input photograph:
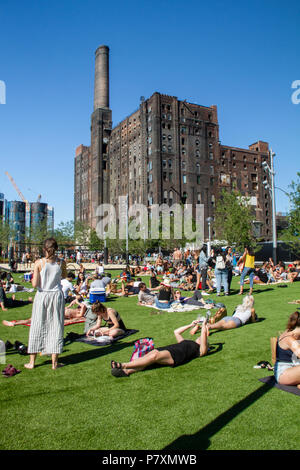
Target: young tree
[291,235]
[233,219]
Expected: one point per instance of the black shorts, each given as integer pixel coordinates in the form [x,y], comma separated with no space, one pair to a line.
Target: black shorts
[182,352]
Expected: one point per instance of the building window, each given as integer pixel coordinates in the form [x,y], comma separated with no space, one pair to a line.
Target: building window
[198,169]
[184,179]
[198,179]
[211,155]
[170,163]
[164,163]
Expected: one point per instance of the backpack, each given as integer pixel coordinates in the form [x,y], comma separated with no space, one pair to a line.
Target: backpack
[220,263]
[142,347]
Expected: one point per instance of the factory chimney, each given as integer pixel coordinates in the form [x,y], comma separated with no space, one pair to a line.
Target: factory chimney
[101,86]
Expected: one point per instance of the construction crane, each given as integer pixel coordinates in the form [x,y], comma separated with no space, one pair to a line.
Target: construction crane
[18,191]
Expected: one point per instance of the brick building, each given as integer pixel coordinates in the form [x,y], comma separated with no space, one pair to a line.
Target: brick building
[166,151]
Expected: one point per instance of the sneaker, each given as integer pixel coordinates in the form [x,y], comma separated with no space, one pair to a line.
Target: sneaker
[204,293]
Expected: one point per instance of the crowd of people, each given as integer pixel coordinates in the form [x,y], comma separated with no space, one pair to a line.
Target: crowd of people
[62,297]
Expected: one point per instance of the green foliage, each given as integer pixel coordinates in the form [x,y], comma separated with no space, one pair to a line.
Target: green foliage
[291,235]
[233,219]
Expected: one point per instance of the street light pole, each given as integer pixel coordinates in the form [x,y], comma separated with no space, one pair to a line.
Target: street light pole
[272,194]
[272,155]
[209,220]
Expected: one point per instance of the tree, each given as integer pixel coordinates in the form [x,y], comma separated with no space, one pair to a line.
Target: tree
[233,219]
[291,235]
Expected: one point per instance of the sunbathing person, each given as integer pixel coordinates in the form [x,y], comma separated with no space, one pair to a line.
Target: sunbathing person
[12,302]
[286,369]
[114,325]
[243,314]
[196,300]
[71,313]
[172,355]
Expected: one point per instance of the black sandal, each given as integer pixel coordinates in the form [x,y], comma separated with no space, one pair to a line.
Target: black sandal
[118,372]
[115,365]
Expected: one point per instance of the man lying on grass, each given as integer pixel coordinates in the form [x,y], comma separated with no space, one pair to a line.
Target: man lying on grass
[172,355]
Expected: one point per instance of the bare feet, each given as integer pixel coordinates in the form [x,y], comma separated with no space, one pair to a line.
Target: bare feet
[57,366]
[29,366]
[8,323]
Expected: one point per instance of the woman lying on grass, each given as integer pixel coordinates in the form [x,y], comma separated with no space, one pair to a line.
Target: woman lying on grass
[173,355]
[286,369]
[243,314]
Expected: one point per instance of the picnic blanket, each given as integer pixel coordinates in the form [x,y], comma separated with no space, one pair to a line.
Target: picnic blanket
[270,380]
[103,340]
[176,307]
[66,322]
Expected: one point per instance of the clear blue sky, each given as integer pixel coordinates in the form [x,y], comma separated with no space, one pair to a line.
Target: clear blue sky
[241,56]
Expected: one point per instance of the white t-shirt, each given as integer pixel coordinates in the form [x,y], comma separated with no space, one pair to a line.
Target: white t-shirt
[244,316]
[66,287]
[100,269]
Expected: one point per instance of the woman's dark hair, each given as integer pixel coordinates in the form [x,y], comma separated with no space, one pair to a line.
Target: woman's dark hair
[250,250]
[50,247]
[204,249]
[98,307]
[294,321]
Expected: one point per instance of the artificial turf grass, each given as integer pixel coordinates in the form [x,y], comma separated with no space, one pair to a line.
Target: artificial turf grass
[198,405]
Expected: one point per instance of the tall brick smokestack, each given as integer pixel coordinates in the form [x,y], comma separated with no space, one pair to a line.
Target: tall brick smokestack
[101,86]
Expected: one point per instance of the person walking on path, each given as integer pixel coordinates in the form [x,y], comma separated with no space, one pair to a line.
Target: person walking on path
[46,333]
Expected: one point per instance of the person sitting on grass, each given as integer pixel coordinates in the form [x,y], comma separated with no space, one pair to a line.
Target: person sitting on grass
[145,295]
[243,314]
[286,369]
[165,296]
[114,325]
[172,355]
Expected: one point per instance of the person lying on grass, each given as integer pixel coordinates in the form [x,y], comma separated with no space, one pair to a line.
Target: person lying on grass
[172,355]
[287,367]
[71,315]
[243,314]
[12,302]
[114,325]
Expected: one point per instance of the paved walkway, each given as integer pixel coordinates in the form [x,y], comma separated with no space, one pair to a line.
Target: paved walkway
[70,266]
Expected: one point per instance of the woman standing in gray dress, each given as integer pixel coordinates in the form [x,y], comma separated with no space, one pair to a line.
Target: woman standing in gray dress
[47,322]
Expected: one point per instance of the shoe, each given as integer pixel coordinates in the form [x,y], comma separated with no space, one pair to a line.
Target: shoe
[10,371]
[8,345]
[204,293]
[118,373]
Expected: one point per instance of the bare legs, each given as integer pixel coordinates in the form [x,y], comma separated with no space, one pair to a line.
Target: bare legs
[290,376]
[153,357]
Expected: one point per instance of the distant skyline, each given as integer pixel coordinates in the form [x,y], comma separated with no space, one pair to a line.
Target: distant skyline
[241,56]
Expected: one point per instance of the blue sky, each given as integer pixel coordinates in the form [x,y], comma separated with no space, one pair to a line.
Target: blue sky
[241,56]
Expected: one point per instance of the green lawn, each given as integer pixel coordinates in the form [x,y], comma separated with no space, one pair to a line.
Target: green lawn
[215,402]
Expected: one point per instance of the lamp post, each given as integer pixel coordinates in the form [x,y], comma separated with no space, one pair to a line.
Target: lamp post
[271,187]
[127,254]
[209,221]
